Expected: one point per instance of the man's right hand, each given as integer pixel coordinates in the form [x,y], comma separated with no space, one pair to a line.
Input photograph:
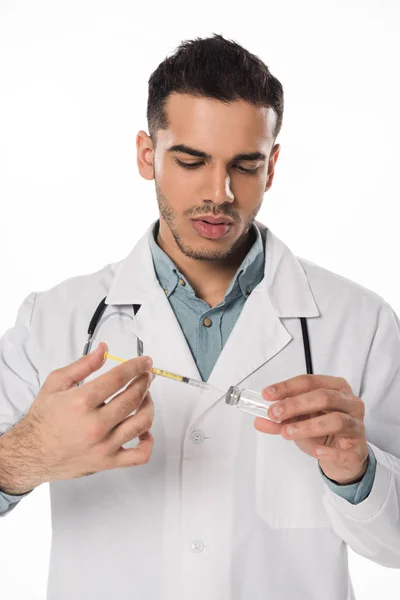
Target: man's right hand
[69,430]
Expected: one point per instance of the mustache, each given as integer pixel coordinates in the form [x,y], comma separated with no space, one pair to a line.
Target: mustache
[215,211]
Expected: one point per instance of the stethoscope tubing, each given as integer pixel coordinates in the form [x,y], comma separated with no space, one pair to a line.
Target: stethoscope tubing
[102,306]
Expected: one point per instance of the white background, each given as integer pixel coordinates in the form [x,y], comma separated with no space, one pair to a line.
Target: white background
[73,92]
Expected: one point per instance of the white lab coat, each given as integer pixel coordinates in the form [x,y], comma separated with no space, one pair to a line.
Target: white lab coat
[221,511]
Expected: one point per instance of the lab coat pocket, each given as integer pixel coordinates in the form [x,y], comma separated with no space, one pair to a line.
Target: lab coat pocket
[289,486]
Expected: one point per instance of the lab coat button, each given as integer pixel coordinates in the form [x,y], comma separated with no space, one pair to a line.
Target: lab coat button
[197,437]
[207,322]
[196,546]
[182,281]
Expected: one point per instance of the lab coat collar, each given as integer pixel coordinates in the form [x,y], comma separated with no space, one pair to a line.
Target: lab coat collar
[285,281]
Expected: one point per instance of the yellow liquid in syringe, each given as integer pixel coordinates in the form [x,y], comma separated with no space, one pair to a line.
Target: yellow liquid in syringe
[194,382]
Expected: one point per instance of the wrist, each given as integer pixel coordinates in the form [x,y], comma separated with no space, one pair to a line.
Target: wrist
[349,480]
[18,473]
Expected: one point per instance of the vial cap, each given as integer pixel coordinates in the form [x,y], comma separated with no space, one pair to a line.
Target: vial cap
[232,395]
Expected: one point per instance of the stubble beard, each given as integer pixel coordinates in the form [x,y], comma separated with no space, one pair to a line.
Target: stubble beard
[169,217]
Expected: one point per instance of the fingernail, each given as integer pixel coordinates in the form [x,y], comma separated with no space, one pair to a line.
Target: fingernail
[105,351]
[147,362]
[277,411]
[270,391]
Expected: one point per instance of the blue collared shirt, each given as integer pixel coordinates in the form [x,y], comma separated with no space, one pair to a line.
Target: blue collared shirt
[207,329]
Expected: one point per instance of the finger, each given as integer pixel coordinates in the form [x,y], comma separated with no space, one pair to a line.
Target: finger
[132,457]
[67,377]
[353,460]
[133,426]
[124,403]
[104,386]
[266,426]
[304,383]
[313,402]
[335,423]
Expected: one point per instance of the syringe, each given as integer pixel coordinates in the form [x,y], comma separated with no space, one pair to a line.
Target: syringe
[194,382]
[245,400]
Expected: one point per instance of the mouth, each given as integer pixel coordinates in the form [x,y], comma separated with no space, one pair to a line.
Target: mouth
[212,228]
[211,220]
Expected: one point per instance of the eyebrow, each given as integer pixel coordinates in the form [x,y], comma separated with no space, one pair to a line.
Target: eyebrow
[198,153]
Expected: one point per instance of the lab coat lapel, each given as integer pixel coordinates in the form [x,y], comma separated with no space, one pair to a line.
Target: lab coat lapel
[256,337]
[162,336]
[259,333]
[155,324]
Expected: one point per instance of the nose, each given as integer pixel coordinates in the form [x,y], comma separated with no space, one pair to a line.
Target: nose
[218,187]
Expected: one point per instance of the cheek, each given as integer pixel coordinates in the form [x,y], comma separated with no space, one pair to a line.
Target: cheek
[177,191]
[249,194]
[167,175]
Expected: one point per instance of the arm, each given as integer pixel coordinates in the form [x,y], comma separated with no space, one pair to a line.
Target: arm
[19,384]
[372,527]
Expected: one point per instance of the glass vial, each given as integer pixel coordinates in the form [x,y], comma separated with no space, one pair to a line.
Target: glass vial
[248,401]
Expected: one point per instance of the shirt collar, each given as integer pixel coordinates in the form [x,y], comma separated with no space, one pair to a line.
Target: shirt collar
[167,272]
[248,275]
[251,271]
[285,283]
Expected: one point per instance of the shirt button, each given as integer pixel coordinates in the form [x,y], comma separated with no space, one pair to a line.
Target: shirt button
[207,322]
[182,281]
[197,437]
[166,292]
[196,546]
[248,291]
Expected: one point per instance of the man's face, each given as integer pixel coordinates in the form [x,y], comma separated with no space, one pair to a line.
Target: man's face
[211,167]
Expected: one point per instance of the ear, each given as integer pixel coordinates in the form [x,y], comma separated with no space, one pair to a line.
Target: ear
[145,155]
[271,165]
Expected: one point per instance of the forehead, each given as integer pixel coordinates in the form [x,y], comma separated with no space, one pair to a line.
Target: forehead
[217,127]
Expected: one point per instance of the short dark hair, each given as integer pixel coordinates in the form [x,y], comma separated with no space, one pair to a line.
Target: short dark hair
[212,68]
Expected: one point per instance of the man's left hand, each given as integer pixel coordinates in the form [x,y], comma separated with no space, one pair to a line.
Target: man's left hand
[327,417]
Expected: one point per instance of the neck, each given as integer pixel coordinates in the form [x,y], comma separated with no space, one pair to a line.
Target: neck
[209,278]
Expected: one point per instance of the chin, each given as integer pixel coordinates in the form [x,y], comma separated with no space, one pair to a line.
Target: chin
[205,249]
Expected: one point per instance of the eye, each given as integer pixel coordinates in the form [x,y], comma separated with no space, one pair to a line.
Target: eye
[198,164]
[188,165]
[251,171]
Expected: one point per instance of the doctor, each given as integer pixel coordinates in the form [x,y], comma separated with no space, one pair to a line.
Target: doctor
[212,504]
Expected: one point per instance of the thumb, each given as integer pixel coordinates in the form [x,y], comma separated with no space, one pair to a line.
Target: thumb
[71,375]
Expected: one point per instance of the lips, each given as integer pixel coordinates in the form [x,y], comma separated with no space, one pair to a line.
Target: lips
[212,230]
[215,220]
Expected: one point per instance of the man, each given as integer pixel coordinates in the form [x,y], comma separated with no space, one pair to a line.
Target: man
[223,506]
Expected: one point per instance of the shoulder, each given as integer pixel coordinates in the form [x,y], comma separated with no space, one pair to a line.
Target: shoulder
[75,293]
[330,288]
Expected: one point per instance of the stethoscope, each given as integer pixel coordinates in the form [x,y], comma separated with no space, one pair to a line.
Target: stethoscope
[102,306]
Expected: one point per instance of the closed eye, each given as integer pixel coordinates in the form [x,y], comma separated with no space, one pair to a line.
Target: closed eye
[198,164]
